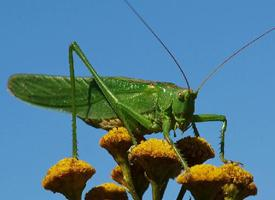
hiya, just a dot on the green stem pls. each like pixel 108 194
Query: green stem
pixel 74 135
pixel 125 167
pixel 181 193
pixel 163 188
pixel 156 191
pixel 74 196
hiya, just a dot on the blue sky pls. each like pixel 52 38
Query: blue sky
pixel 35 36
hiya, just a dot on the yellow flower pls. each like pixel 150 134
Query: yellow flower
pixel 241 183
pixel 107 191
pixel 68 177
pixel 117 176
pixel 139 180
pixel 117 142
pixel 211 182
pixel 157 158
pixel 237 174
pixel 195 150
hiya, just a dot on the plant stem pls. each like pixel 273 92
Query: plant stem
pixel 156 190
pixel 125 167
pixel 74 196
pixel 181 193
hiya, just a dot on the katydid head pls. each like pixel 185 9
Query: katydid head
pixel 183 104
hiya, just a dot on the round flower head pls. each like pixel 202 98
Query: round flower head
pixel 107 191
pixel 68 177
pixel 117 142
pixel 140 181
pixel 117 176
pixel 157 158
pixel 241 183
pixel 211 182
pixel 196 150
pixel 204 181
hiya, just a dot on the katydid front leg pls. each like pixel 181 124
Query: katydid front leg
pixel 214 118
pixel 166 127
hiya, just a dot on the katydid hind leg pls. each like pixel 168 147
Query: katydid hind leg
pixel 113 101
pixel 215 118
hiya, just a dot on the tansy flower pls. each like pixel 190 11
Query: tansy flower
pixel 159 162
pixel 204 181
pixel 117 176
pixel 211 182
pixel 68 177
pixel 157 158
pixel 107 191
pixel 195 150
pixel 241 183
pixel 140 182
pixel 117 142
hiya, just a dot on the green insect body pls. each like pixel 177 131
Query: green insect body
pixel 143 107
pixel 105 102
pixel 153 100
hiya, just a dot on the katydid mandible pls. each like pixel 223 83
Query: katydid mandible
pixel 143 107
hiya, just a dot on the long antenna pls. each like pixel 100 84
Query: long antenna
pixel 233 55
pixel 159 40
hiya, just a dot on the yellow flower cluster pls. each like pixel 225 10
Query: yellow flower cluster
pixel 236 174
pixel 140 182
pixel 107 191
pixel 200 174
pixel 154 161
pixel 195 150
pixel 208 181
pixel 117 175
pixel 153 148
pixel 157 158
pixel 116 141
pixel 68 177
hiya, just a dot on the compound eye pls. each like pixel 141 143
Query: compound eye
pixel 181 96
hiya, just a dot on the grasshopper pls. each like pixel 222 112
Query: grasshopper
pixel 143 107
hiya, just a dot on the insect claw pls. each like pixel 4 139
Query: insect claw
pixel 233 162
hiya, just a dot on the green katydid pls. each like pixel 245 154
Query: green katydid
pixel 106 102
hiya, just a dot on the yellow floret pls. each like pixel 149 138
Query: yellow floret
pixel 117 176
pixel 116 141
pixel 106 191
pixel 201 173
pixel 68 177
pixel 211 182
pixel 157 158
pixel 140 182
pixel 195 150
pixel 154 148
pixel 237 174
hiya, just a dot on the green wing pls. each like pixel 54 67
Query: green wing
pixel 55 92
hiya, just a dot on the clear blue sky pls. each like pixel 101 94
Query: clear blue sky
pixel 35 36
